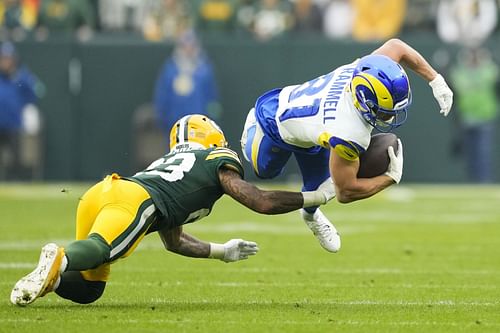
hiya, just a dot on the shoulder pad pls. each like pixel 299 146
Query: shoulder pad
pixel 223 152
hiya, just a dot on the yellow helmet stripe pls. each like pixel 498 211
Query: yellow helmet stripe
pixel 384 97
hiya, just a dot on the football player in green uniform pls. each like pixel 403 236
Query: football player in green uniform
pixel 181 187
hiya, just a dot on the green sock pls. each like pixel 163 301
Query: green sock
pixel 75 288
pixel 87 254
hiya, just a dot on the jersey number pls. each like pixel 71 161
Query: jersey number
pixel 171 168
pixel 308 89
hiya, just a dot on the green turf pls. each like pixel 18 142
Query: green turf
pixel 414 259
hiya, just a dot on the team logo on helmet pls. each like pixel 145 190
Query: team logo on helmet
pixel 197 128
pixel 381 92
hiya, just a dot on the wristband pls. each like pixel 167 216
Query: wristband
pixel 217 251
pixel 313 198
pixel 437 81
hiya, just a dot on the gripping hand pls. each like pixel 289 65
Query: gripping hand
pixel 324 193
pixel 442 93
pixel 395 169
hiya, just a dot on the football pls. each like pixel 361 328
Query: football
pixel 375 160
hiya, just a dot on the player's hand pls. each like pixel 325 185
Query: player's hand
pixel 239 249
pixel 327 190
pixel 442 93
pixel 324 193
pixel 395 169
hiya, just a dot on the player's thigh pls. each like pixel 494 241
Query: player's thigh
pixel 267 159
pixel 88 207
pixel 314 168
pixel 125 217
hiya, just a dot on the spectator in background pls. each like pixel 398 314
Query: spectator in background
pixel 475 77
pixel 215 16
pixel 17 90
pixel 307 17
pixel 378 19
pixel 466 22
pixel 186 84
pixel 273 18
pixel 66 17
pixel 166 19
pixel 18 18
pixel 245 16
pixel 122 15
pixel 338 19
pixel 420 16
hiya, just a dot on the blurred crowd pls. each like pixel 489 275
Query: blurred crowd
pixel 161 20
pixel 186 82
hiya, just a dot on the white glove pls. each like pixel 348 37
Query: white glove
pixel 395 168
pixel 324 193
pixel 442 93
pixel 233 250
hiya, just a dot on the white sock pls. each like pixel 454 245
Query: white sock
pixel 56 284
pixel 64 264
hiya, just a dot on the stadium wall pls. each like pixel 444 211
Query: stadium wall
pixel 93 90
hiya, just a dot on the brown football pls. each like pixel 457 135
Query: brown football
pixel 375 160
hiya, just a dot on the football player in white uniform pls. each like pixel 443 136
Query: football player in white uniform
pixel 327 123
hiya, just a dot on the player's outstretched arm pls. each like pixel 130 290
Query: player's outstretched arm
pixel 272 202
pixel 177 241
pixel 404 54
pixel 407 56
pixel 348 186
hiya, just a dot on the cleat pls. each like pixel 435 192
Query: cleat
pixel 324 231
pixel 40 281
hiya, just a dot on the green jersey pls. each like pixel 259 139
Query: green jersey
pixel 184 184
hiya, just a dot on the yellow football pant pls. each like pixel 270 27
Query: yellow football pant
pixel 121 212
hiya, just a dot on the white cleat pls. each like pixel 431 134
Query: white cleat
pixel 323 229
pixel 40 281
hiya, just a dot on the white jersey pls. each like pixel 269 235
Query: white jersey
pixel 321 111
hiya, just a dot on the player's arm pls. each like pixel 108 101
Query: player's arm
pixel 271 202
pixel 348 186
pixel 344 167
pixel 177 241
pixel 406 55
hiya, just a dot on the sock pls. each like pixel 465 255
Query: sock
pixel 311 210
pixel 64 264
pixel 87 254
pixel 74 287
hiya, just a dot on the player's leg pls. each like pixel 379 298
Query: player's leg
pixel 126 214
pixel 124 219
pixel 44 278
pixel 315 170
pixel 83 287
pixel 266 158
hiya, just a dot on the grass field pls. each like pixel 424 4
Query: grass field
pixel 414 259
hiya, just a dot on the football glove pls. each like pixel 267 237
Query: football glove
pixel 233 250
pixel 324 193
pixel 395 168
pixel 442 93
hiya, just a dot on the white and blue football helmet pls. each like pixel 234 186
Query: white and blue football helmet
pixel 381 92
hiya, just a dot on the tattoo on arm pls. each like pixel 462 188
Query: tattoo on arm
pixel 266 202
pixel 177 241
